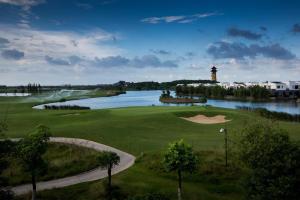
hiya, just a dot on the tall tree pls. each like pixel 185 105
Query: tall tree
pixel 273 160
pixel 180 157
pixel 107 160
pixel 6 149
pixel 30 151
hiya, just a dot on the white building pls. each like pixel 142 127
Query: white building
pixel 274 85
pixel 293 85
pixel 225 85
pixel 238 84
pixel 194 84
pixel 270 85
pixel 251 84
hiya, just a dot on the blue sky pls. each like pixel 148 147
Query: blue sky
pixel 103 41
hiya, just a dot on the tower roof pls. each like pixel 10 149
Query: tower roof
pixel 213 69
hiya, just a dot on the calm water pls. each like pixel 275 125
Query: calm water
pixel 14 94
pixel 148 98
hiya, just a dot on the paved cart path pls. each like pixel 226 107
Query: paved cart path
pixel 126 160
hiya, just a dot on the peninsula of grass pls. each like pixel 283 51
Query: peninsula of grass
pixel 146 132
pixel 63 160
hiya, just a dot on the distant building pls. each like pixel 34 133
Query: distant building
pixel 277 85
pixel 251 84
pixel 293 85
pixel 213 73
pixel 225 85
pixel 238 85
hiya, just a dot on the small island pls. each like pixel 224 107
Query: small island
pixel 166 97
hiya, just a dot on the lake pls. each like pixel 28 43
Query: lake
pixel 14 94
pixel 149 98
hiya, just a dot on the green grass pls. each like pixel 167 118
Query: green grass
pixel 144 131
pixel 63 160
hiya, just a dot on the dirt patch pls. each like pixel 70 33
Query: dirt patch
pixel 202 119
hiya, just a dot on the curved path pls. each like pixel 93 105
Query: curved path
pixel 126 160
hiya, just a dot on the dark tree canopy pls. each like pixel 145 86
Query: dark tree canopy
pixel 31 148
pixel 108 159
pixel 30 151
pixel 274 163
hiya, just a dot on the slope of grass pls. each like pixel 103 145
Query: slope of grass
pixel 63 160
pixel 144 131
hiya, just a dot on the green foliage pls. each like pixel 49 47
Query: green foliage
pixel 258 92
pixel 255 92
pixel 272 114
pixel 3 127
pixel 202 100
pixel 6 148
pixel 150 85
pixel 180 156
pixel 66 107
pixel 62 160
pixel 273 160
pixel 31 149
pixel 108 159
pixel 166 94
pixel 150 196
pixel 201 90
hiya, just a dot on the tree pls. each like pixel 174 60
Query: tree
pixel 107 160
pixel 180 157
pixel 6 149
pixel 30 151
pixel 274 163
pixel 3 127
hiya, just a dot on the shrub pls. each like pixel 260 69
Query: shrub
pixel 65 107
pixel 272 114
pixel 273 161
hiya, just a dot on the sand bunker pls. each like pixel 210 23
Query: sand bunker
pixel 202 119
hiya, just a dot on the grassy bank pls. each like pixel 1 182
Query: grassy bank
pixel 144 132
pixel 63 160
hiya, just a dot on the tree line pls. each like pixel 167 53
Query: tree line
pixel 255 92
pixel 272 114
pixel 29 88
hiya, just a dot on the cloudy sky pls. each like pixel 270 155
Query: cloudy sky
pixel 104 41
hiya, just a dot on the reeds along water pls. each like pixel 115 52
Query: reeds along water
pixel 272 114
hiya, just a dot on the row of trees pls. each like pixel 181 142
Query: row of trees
pixel 30 88
pixel 255 92
pixel 34 88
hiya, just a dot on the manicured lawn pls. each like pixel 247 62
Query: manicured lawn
pixel 63 160
pixel 145 132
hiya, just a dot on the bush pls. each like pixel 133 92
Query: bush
pixel 273 161
pixel 65 107
pixel 272 114
pixel 202 100
pixel 150 196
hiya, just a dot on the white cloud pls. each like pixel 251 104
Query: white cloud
pixel 25 4
pixel 179 18
pixel 37 44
